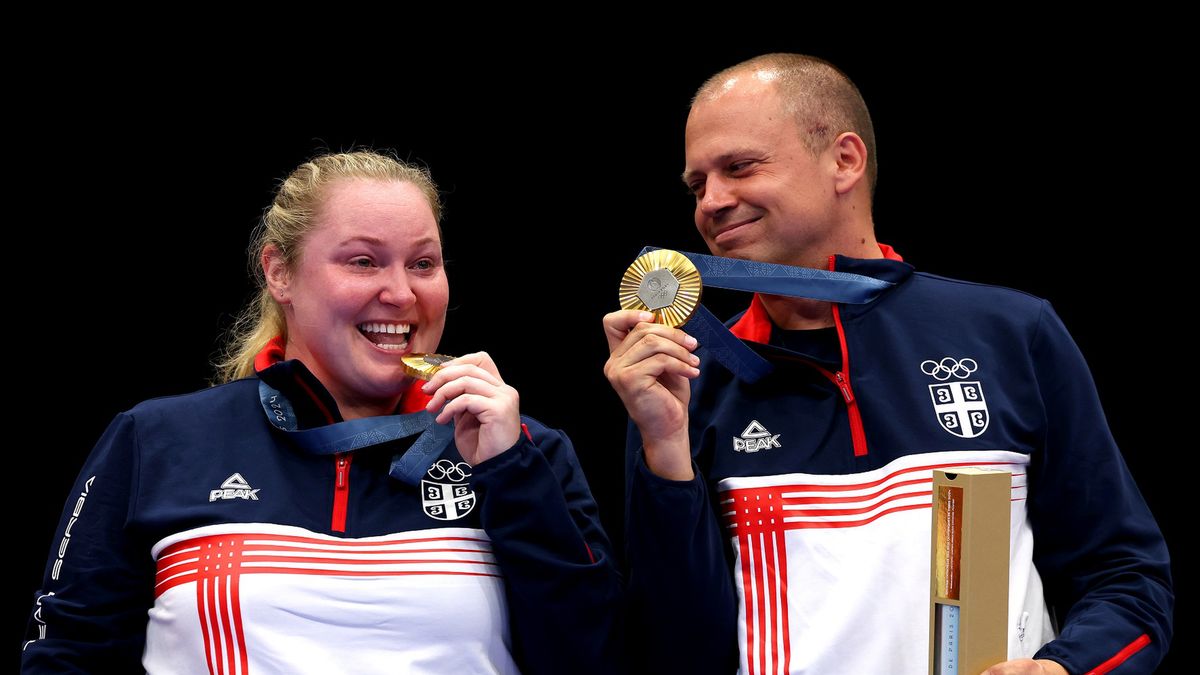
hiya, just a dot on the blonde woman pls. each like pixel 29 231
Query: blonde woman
pixel 321 510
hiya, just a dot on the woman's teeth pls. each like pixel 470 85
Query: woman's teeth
pixel 391 336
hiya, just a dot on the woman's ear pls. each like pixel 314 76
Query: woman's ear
pixel 275 271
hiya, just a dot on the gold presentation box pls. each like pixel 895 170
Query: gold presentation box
pixel 968 599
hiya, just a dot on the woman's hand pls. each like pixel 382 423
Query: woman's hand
pixel 485 410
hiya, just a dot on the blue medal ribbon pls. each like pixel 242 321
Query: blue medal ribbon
pixel 409 467
pixel 759 277
pixel 725 347
pixel 797 282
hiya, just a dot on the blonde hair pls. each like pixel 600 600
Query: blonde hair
pixel 822 99
pixel 285 225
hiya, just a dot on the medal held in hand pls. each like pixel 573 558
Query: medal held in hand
pixel 668 283
pixel 663 282
pixel 424 366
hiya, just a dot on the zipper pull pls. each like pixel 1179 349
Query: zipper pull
pixel 341 471
pixel 845 387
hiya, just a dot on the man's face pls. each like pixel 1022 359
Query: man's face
pixel 760 193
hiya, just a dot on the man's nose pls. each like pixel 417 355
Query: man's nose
pixel 718 196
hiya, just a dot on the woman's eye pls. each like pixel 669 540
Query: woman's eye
pixel 362 262
pixel 423 264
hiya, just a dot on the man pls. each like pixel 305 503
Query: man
pixel 782 525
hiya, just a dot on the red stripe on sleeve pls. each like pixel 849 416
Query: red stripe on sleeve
pixel 1121 656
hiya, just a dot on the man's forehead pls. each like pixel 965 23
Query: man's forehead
pixel 736 126
pixel 738 112
pixel 749 82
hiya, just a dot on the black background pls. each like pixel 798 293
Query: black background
pixel 1053 170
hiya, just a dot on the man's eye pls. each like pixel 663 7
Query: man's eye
pixel 738 166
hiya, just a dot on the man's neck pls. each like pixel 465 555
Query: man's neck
pixel 804 314
pixel 852 242
pixel 798 313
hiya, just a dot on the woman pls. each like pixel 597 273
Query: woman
pixel 322 511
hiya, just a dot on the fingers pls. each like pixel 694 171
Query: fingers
pixel 643 373
pixel 649 345
pixel 468 384
pixel 481 359
pixel 625 328
pixel 480 406
pixel 651 350
pixel 478 365
pixel 618 324
pixel 650 368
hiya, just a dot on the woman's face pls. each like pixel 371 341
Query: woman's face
pixel 369 287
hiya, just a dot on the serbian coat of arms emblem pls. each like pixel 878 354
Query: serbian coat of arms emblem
pixel 959 405
pixel 445 494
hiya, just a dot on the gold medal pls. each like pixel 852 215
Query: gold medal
pixel 664 282
pixel 424 366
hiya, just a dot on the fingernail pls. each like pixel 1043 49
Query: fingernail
pixel 646 316
pixel 690 341
pixel 695 360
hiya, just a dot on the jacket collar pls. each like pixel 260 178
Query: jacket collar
pixel 755 325
pixel 313 403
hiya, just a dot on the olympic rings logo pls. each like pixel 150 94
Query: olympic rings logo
pixel 942 370
pixel 444 468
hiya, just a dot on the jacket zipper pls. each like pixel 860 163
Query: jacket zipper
pixel 341 490
pixel 341 468
pixel 842 380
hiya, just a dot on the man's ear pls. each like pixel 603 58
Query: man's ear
pixel 276 272
pixel 850 153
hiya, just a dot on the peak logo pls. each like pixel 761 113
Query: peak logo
pixel 234 487
pixel 755 437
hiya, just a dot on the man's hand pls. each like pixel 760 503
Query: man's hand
pixel 485 410
pixel 1026 667
pixel 650 365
